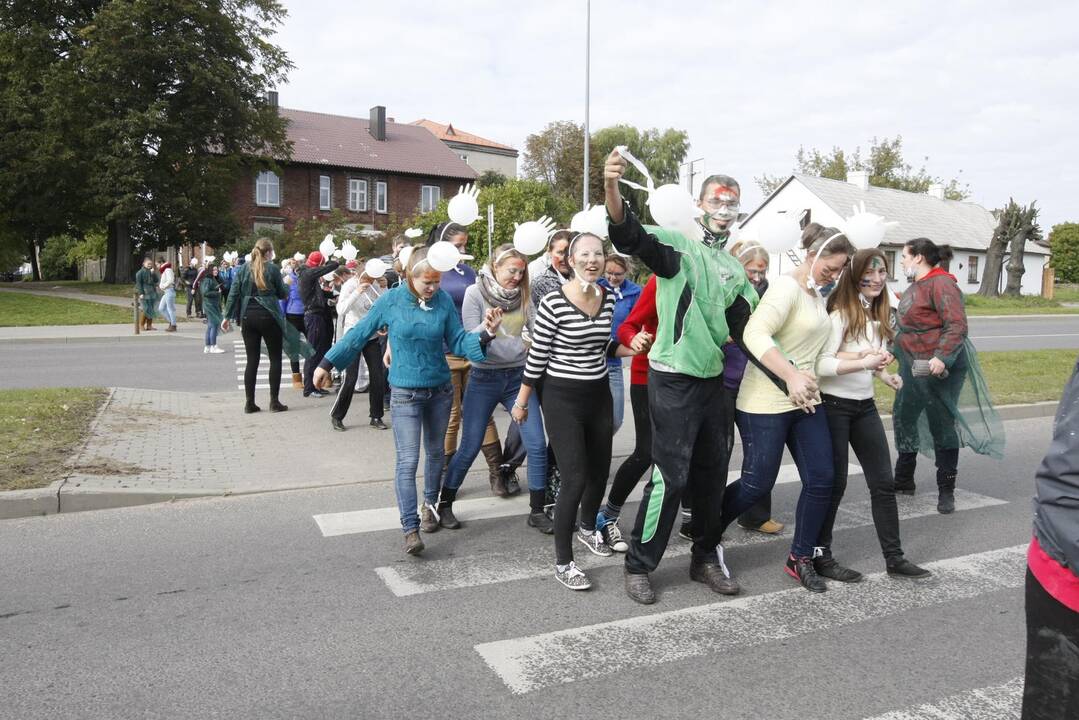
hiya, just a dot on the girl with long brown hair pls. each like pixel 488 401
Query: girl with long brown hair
pixel 855 353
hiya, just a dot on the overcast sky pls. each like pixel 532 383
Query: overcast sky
pixel 986 90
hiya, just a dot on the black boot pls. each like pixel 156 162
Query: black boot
pixel 537 518
pixel 905 465
pixel 446 518
pixel 947 471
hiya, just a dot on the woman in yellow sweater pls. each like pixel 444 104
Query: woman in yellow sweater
pixel 786 333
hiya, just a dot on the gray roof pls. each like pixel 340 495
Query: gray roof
pixel 963 225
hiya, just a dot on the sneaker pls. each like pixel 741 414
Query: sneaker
pixel 413 544
pixel 428 518
pixel 205 349
pixel 541 522
pixel 802 570
pixel 572 577
pixel 768 527
pixel 251 408
pixel 639 588
pixel 594 542
pixel 829 568
pixel 905 568
pixel 686 531
pixel 276 406
pixel 215 350
pixel 714 576
pixel 378 424
pixel 447 519
pixel 612 536
pixel 337 424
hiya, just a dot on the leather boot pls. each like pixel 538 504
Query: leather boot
pixel 297 381
pixel 905 465
pixel 947 471
pixel 492 453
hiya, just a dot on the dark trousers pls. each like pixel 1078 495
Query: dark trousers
pixel 689 449
pixel 807 437
pixel 856 424
pixel 761 511
pixel 633 467
pixel 190 298
pixel 319 332
pixel 579 416
pixel 372 355
pixel 260 327
pixel 296 321
pixel 1051 689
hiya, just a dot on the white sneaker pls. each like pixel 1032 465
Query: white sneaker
pixel 613 537
pixel 572 577
pixel 215 350
pixel 205 349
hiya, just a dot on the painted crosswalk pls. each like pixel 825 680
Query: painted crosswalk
pixel 522 563
pixel 527 664
pixel 998 702
pixel 262 379
pixel 485 508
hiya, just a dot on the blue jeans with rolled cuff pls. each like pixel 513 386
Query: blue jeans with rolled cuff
pixel 416 413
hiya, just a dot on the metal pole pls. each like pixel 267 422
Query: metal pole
pixel 587 60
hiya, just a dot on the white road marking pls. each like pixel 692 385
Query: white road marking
pixel 1017 337
pixel 530 663
pixel 389 518
pixel 455 573
pixel 999 702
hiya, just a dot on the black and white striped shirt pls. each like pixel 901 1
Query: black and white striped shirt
pixel 567 343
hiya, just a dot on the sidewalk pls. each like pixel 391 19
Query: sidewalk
pixel 190 330
pixel 72 294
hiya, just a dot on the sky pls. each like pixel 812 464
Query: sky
pixel 980 91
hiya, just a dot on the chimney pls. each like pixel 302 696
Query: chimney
pixel 859 178
pixel 271 98
pixel 936 190
pixel 377 126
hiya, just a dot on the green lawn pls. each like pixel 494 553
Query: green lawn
pixel 1025 305
pixel 23 309
pixel 125 290
pixel 39 430
pixel 1066 293
pixel 1013 376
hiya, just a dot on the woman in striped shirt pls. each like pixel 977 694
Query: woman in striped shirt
pixel 567 363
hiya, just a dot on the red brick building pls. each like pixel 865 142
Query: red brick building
pixel 367 169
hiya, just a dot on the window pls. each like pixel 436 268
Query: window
pixel 268 189
pixel 429 197
pixel 266 227
pixel 357 195
pixel 972 269
pixel 380 197
pixel 464 157
pixel 889 257
pixel 323 192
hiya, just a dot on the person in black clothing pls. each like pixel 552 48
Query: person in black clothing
pixel 188 276
pixel 317 316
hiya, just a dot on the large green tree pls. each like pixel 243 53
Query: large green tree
pixel 555 155
pixel 884 162
pixel 1016 224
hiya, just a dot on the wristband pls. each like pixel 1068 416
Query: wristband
pixel 519 406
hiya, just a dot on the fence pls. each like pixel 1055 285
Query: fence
pixel 92 270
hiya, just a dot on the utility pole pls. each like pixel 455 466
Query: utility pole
pixel 690 173
pixel 587 61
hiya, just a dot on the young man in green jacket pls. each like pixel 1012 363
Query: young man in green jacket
pixel 146 280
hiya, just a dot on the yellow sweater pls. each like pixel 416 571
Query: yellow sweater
pixel 795 322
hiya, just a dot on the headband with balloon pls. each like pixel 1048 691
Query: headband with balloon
pixel 671 205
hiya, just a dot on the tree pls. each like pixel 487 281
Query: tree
pixel 661 152
pixel 885 165
pixel 1016 224
pixel 1064 242
pixel 555 156
pixel 491 177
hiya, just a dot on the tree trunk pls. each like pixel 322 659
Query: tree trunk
pixel 35 264
pixel 994 261
pixel 118 266
pixel 1015 263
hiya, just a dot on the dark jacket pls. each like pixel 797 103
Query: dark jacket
pixel 1056 497
pixel 244 287
pixel 314 300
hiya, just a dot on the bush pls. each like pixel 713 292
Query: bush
pixel 55 261
pixel 1064 242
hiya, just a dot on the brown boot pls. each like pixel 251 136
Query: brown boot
pixel 297 381
pixel 492 453
pixel 170 328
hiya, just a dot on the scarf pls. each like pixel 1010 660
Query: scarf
pixel 495 295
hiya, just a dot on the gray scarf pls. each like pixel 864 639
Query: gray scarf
pixel 495 295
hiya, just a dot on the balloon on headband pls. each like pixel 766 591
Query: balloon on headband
pixel 413 233
pixel 444 256
pixel 298 257
pixel 464 207
pixel 247 257
pixel 864 229
pixel 327 247
pixel 531 237
pixel 348 250
pixel 592 220
pixel 404 255
pixel 778 233
pixel 210 258
pixel 375 268
pixel 672 206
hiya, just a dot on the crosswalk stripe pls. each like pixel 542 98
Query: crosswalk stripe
pixel 258 386
pixel 530 663
pixel 999 702
pixel 485 508
pixel 455 573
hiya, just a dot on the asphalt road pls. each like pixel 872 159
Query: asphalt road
pixel 243 608
pixel 178 363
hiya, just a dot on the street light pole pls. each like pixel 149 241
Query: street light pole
pixel 587 61
pixel 690 174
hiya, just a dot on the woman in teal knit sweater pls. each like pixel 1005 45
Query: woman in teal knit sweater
pixel 420 318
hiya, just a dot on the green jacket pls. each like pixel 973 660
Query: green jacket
pixel 146 282
pixel 244 287
pixel 703 296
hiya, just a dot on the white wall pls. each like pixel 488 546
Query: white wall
pixel 481 162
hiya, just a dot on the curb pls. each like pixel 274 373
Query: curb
pixel 1021 317
pixel 63 497
pixel 103 338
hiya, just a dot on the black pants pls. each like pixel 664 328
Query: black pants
pixel 761 511
pixel 295 321
pixel 689 448
pixel 260 327
pixel 372 355
pixel 856 424
pixel 319 332
pixel 190 298
pixel 579 417
pixel 1051 690
pixel 633 467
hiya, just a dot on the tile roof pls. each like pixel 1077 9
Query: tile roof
pixel 451 134
pixel 338 141
pixel 963 225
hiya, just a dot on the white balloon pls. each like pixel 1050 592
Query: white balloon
pixel 444 256
pixel 298 257
pixel 247 257
pixel 348 250
pixel 864 229
pixel 778 232
pixel 592 221
pixel 530 237
pixel 463 209
pixel 375 268
pixel 404 255
pixel 327 247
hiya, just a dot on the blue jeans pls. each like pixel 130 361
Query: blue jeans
pixel 810 444
pixel 618 393
pixel 211 333
pixel 486 390
pixel 167 305
pixel 414 410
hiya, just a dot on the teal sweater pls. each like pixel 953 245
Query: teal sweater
pixel 416 338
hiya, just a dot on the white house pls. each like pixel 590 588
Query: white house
pixel 480 153
pixel 967 227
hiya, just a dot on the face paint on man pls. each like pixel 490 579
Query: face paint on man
pixel 721 204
